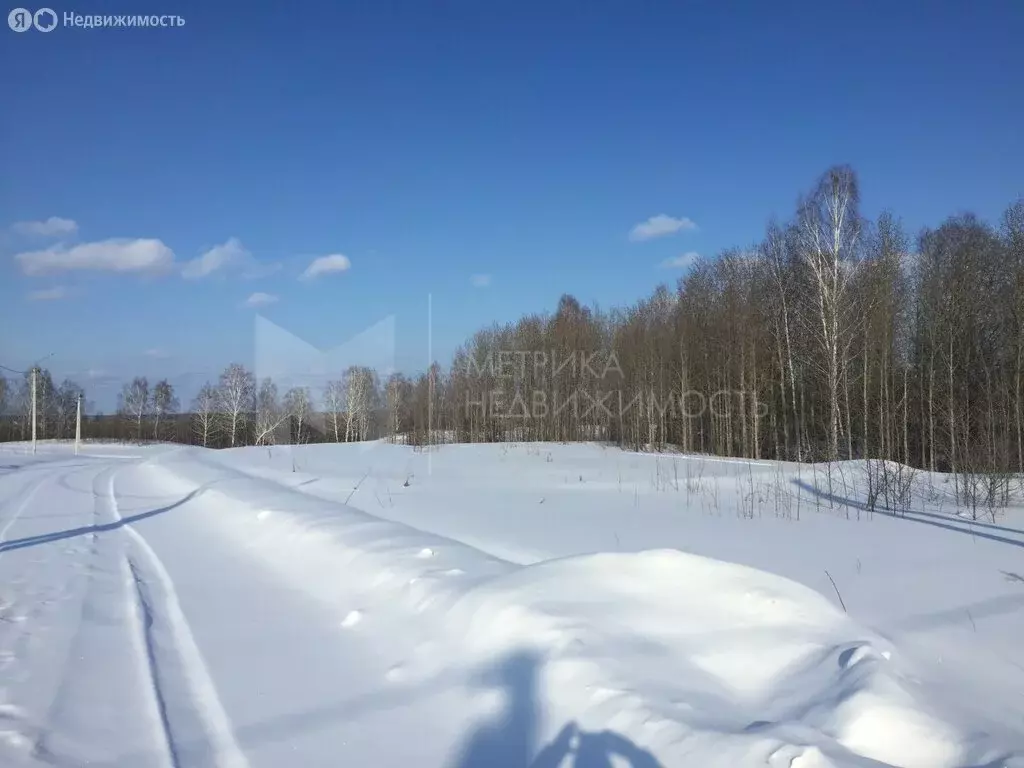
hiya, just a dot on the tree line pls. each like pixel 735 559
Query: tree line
pixel 833 337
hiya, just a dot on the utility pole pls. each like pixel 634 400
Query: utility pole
pixel 34 409
pixel 32 374
pixel 78 424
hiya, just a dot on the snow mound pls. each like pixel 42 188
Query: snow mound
pixel 702 662
pixel 706 657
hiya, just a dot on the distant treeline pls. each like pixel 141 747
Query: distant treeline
pixel 175 428
pixel 834 337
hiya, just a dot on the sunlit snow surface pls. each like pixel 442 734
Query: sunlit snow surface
pixel 496 605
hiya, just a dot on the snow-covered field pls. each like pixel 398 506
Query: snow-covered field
pixel 495 605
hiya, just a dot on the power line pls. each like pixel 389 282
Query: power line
pixel 34 365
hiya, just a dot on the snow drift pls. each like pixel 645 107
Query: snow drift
pixel 695 661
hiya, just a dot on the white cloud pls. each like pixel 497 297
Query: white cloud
pixel 683 261
pixel 115 255
pixel 157 353
pixel 659 226
pixel 229 255
pixel 480 281
pixel 220 257
pixel 49 294
pixel 52 227
pixel 326 265
pixel 260 299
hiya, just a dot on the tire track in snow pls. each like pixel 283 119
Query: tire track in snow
pixel 22 505
pixel 145 621
pixel 22 733
pixel 107 709
pixel 24 497
pixel 85 694
pixel 196 728
pixel 39 601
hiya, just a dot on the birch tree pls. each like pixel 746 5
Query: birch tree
pixel 45 392
pixel 236 393
pixel 1013 243
pixel 359 384
pixel 298 404
pixel 165 403
pixel 65 407
pixel 394 395
pixel 204 415
pixel 270 414
pixel 21 406
pixel 134 402
pixel 334 406
pixel 829 227
pixel 775 252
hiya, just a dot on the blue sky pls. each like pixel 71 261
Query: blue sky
pixel 490 154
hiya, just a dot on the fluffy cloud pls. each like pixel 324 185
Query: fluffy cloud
pixel 480 281
pixel 145 256
pixel 260 299
pixel 326 265
pixel 157 353
pixel 51 227
pixel 659 226
pixel 229 254
pixel 682 261
pixel 49 294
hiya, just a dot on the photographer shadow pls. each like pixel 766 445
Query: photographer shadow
pixel 510 739
pixel 592 750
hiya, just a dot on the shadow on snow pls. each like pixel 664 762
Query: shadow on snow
pixel 85 530
pixel 507 740
pixel 925 518
pixel 510 739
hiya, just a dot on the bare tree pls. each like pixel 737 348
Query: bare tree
pixel 334 406
pixel 298 404
pixel 236 393
pixel 359 391
pixel 65 408
pixel 5 394
pixel 270 414
pixel 134 402
pixel 165 403
pixel 394 396
pixel 204 414
pixel 21 406
pixel 829 232
pixel 776 253
pixel 45 395
pixel 1013 243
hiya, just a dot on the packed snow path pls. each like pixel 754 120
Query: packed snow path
pixel 167 607
pixel 117 652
